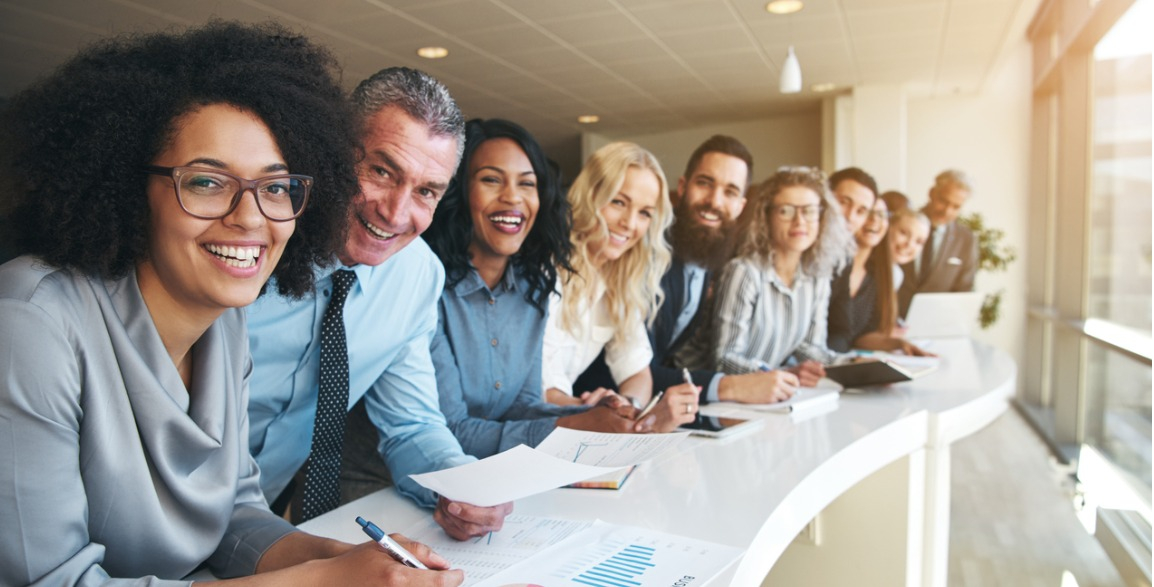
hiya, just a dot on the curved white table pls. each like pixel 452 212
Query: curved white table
pixel 869 479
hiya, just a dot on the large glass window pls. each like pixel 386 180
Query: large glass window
pixel 1087 374
pixel 1119 414
pixel 1118 388
pixel 1119 277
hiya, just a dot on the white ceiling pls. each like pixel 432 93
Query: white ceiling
pixel 641 65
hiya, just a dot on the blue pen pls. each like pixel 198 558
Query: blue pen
pixel 391 546
pixel 764 367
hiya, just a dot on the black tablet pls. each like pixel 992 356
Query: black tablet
pixel 867 373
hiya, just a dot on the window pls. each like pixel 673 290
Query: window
pixel 1088 370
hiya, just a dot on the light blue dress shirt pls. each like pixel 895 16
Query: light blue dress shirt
pixel 487 353
pixel 390 318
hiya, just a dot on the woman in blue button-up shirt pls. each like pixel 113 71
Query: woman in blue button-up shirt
pixel 502 231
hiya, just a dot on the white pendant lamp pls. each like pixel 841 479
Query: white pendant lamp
pixel 790 74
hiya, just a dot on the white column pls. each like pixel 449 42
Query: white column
pixel 879 138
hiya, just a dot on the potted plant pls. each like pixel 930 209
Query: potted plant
pixel 993 255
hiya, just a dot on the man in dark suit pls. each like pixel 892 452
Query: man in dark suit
pixel 950 257
pixel 708 199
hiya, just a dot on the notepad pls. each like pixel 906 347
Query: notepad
pixel 805 398
pixel 614 480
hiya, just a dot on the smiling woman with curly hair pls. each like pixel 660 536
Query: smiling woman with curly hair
pixel 157 182
pixel 771 300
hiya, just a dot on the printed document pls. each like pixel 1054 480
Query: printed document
pixel 565 456
pixel 609 555
pixel 520 538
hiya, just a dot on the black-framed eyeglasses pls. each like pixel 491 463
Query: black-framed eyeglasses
pixel 788 212
pixel 210 194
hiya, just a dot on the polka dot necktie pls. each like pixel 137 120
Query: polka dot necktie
pixel 322 483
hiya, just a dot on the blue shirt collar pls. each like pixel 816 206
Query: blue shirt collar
pixel 473 283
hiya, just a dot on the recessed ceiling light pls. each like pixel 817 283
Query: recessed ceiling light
pixel 826 87
pixel 784 6
pixel 432 52
pixel 588 118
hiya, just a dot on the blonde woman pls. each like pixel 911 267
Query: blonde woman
pixel 621 210
pixel 771 300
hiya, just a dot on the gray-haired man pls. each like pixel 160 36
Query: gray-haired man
pixel 388 282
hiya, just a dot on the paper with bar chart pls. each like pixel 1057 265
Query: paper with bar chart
pixel 609 555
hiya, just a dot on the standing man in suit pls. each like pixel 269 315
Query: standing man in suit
pixel 950 257
pixel 708 199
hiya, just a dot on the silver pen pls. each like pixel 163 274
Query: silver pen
pixel 391 546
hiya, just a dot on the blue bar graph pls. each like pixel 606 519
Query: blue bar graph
pixel 623 569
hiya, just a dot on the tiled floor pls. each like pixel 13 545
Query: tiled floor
pixel 1012 519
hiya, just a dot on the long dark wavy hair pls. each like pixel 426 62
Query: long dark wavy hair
pixel 545 250
pixel 72 146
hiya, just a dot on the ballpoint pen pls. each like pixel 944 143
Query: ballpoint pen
pixel 391 546
pixel 649 407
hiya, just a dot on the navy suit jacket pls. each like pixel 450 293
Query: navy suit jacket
pixel 660 339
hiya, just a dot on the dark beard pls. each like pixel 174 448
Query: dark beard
pixel 700 245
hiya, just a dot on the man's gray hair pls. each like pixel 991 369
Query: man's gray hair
pixel 952 178
pixel 416 93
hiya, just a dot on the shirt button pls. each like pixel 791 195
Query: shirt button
pixel 497 385
pixel 493 342
pixel 492 301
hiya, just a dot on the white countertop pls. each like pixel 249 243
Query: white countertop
pixel 758 490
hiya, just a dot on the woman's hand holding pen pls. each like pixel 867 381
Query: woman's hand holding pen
pixel 761 387
pixel 364 564
pixel 369 564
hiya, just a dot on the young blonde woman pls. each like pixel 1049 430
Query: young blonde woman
pixel 620 209
pixel 771 300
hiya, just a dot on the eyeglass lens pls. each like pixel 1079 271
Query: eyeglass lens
pixel 789 211
pixel 209 194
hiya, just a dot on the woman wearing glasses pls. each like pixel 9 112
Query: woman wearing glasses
pixel 770 302
pixel 158 182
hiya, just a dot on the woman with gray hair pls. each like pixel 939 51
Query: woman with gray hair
pixel 770 303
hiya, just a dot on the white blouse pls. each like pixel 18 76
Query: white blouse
pixel 567 354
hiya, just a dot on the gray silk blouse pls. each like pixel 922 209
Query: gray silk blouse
pixel 108 466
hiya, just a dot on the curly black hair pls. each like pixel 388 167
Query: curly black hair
pixel 72 146
pixel 545 249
